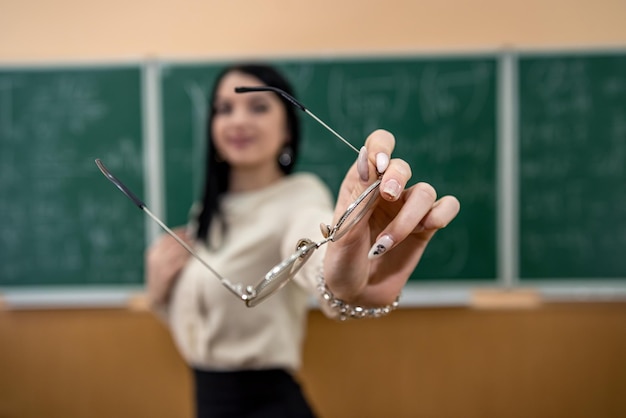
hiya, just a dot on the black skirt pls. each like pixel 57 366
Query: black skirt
pixel 249 394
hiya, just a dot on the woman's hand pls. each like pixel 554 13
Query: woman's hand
pixel 165 259
pixel 370 265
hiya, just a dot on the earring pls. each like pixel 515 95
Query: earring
pixel 286 156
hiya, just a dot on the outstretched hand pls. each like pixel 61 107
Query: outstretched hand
pixel 371 264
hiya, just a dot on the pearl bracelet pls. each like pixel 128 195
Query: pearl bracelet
pixel 347 311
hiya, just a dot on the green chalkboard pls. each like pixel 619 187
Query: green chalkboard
pixel 572 151
pixel 63 224
pixel 442 111
pixel 61 221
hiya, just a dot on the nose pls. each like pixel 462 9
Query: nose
pixel 239 115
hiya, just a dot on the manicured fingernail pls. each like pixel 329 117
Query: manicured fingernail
pixel 362 166
pixel 325 229
pixel 381 246
pixel 382 162
pixel 392 188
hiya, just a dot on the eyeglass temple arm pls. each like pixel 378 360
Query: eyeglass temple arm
pixel 120 185
pixel 141 205
pixel 298 105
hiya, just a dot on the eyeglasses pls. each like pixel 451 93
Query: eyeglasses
pixel 284 271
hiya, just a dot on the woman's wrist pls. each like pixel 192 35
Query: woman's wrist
pixel 351 311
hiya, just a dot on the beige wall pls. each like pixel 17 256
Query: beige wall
pixel 554 361
pixel 82 29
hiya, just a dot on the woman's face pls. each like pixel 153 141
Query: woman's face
pixel 250 129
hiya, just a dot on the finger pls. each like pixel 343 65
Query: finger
pixel 440 215
pixel 375 155
pixel 418 202
pixel 395 179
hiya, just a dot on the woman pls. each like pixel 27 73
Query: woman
pixel 253 213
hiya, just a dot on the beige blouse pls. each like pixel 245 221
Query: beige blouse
pixel 212 328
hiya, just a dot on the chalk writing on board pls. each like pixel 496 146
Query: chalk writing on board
pixel 451 255
pixel 368 100
pixel 572 166
pixel 53 124
pixel 66 104
pixel 612 163
pixel 438 92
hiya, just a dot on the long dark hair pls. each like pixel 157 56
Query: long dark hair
pixel 218 171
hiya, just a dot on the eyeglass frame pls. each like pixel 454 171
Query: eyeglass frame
pixel 253 295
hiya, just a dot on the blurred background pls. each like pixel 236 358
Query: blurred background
pixel 519 108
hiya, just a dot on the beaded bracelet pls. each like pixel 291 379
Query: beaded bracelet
pixel 347 311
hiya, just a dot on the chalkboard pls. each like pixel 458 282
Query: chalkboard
pixel 442 111
pixel 572 151
pixel 61 222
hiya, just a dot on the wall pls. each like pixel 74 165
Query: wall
pixel 553 361
pixel 73 29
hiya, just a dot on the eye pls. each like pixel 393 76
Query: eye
pixel 222 108
pixel 259 107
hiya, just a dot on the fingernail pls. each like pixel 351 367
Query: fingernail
pixel 381 246
pixel 392 188
pixel 362 166
pixel 325 229
pixel 382 162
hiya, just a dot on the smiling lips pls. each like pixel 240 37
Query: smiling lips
pixel 240 142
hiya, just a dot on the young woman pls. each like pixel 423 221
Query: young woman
pixel 253 213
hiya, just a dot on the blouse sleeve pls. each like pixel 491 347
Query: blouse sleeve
pixel 304 222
